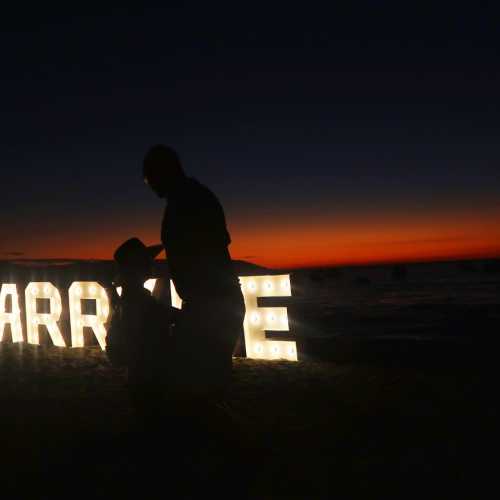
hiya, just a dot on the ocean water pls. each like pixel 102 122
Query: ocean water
pixel 454 299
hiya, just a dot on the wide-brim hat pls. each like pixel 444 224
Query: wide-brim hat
pixel 134 254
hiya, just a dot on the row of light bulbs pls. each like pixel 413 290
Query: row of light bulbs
pixel 271 318
pixel 267 286
pixel 274 349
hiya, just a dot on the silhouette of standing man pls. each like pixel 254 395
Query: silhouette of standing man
pixel 196 241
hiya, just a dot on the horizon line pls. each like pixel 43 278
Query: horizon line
pixel 436 260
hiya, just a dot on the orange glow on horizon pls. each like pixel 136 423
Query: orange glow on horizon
pixel 308 243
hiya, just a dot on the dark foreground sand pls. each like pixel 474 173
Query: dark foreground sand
pixel 323 430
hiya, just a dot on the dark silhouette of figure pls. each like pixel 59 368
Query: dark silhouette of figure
pixel 138 337
pixel 207 328
pixel 196 242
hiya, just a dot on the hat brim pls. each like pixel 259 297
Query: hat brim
pixel 154 250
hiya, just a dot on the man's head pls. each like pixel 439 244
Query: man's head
pixel 162 169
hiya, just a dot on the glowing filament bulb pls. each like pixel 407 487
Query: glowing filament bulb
pixel 252 286
pixel 92 289
pixel 258 348
pixel 255 318
pixel 268 285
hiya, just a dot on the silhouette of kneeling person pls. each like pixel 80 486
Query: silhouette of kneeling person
pixel 138 337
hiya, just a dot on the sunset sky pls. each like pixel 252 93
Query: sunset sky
pixel 331 136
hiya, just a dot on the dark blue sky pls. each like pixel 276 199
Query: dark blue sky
pixel 290 114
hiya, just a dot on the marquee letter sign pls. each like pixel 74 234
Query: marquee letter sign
pixel 34 319
pixel 14 316
pixel 95 316
pixel 88 290
pixel 258 320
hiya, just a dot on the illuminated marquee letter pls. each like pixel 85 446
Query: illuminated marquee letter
pixel 43 290
pixel 13 317
pixel 174 296
pixel 88 290
pixel 259 319
pixel 150 285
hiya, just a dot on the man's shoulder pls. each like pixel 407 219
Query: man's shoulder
pixel 197 193
pixel 195 185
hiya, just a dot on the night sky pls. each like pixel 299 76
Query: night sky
pixel 331 136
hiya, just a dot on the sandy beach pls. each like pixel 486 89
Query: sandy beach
pixel 394 393
pixel 324 429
